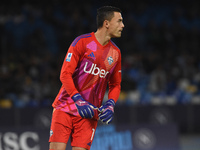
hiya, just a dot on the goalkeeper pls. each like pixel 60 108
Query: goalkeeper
pixel 92 61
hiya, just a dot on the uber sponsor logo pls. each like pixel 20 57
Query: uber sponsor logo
pixel 24 141
pixel 95 70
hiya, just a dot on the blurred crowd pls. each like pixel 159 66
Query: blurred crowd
pixel 160 50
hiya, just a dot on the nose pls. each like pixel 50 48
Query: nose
pixel 123 25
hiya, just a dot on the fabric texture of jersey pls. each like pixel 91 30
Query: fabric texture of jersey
pixel 87 68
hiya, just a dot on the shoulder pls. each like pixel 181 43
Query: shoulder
pixel 115 46
pixel 80 38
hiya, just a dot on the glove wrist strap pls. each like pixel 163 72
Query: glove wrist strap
pixel 76 97
pixel 112 102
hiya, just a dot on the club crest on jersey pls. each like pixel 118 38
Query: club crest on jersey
pixel 110 60
pixel 69 56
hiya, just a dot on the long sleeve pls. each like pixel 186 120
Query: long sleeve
pixel 115 82
pixel 69 65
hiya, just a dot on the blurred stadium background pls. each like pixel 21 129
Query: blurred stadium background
pixel 159 105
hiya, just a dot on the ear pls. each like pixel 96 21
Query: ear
pixel 106 24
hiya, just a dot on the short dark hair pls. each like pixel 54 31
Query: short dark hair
pixel 105 13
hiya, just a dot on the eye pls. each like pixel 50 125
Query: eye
pixel 120 20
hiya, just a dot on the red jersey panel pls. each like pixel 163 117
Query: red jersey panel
pixel 87 69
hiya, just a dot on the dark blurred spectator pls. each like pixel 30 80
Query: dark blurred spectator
pixel 160 49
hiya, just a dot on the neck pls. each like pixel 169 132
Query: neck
pixel 102 37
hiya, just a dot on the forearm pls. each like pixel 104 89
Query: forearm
pixel 114 91
pixel 67 81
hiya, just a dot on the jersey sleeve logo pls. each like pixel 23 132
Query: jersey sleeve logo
pixel 110 60
pixel 69 56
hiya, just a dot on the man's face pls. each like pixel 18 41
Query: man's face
pixel 116 25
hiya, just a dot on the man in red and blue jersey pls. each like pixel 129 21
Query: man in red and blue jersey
pixel 92 62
